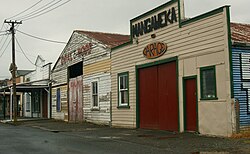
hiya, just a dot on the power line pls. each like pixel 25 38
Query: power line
pixel 5 48
pixel 2 31
pixel 48 40
pixel 26 9
pixel 2 27
pixel 46 11
pixel 4 43
pixel 2 35
pixel 37 10
pixel 24 53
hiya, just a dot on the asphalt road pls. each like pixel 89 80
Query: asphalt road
pixel 25 140
pixel 40 138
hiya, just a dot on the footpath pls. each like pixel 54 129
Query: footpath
pixel 190 142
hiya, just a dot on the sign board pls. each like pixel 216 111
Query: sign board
pixel 155 22
pixel 154 50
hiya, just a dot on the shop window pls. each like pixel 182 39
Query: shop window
pixel 123 89
pixel 58 100
pixel 208 83
pixel 28 100
pixel 36 101
pixel 95 102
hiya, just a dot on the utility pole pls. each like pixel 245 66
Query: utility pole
pixel 13 67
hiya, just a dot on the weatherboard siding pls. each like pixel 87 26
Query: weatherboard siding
pixel 241 86
pixel 100 66
pixel 197 44
pixel 63 114
pixel 100 115
pixel 97 68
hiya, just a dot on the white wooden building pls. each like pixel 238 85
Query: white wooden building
pixel 81 78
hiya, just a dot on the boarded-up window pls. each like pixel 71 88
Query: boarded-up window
pixel 58 100
pixel 95 94
pixel 123 89
pixel 208 83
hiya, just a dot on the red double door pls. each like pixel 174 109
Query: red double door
pixel 158 97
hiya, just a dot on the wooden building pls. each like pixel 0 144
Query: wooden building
pixel 81 79
pixel 36 91
pixel 175 73
pixel 241 71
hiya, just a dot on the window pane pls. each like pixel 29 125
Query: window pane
pixel 95 94
pixel 208 83
pixel 94 88
pixel 95 100
pixel 58 100
pixel 123 82
pixel 28 102
pixel 124 97
pixel 36 102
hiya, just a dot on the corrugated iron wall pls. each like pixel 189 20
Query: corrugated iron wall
pixel 241 77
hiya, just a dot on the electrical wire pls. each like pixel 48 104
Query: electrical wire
pixel 3 31
pixel 26 9
pixel 4 43
pixel 34 16
pixel 48 40
pixel 2 27
pixel 37 10
pixel 24 53
pixel 47 11
pixel 5 48
pixel 2 35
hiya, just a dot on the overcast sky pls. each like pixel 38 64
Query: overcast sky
pixel 94 15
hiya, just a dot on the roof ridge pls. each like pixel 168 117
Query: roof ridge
pixel 89 31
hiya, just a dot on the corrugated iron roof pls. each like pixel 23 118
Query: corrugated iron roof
pixel 110 39
pixel 240 32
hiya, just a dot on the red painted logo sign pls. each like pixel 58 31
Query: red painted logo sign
pixel 155 50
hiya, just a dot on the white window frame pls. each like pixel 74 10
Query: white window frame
pixel 120 104
pixel 92 95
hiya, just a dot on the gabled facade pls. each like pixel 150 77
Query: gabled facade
pixel 81 78
pixel 174 74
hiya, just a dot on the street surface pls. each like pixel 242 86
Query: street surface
pixel 52 137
